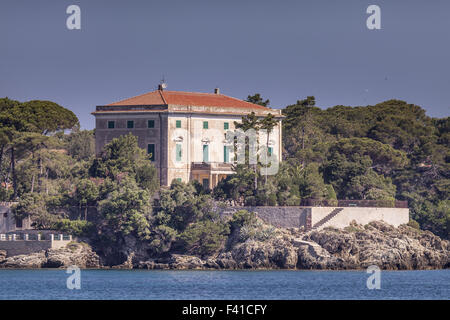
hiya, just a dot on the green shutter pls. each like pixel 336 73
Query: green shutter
pixel 111 124
pixel 205 124
pixel 151 123
pixel 151 151
pixel 130 124
pixel 205 153
pixel 226 154
pixel 270 151
pixel 178 123
pixel 226 126
pixel 178 152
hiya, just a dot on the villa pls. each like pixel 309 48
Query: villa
pixel 184 132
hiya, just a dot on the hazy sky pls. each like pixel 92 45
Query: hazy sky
pixel 284 50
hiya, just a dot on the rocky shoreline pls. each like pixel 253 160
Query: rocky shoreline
pixel 355 247
pixel 79 254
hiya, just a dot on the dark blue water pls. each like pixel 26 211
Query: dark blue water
pixel 136 284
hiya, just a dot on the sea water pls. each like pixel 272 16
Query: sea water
pixel 260 285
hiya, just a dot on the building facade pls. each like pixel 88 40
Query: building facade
pixel 184 132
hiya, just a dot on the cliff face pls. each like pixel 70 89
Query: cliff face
pixel 355 247
pixel 78 254
pixel 387 247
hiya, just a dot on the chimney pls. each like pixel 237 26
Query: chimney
pixel 162 85
pixel 217 91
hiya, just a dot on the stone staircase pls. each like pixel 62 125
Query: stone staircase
pixel 327 218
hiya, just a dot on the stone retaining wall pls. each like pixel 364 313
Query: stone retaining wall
pixel 280 217
pixel 307 217
pixel 13 245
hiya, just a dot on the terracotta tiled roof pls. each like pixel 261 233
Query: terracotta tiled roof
pixel 187 99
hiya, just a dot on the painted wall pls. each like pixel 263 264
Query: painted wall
pixel 191 136
pixel 296 217
pixel 362 215
pixel 145 135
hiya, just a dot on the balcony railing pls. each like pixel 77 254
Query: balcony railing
pixel 211 166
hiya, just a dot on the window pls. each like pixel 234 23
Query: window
pixel 130 124
pixel 18 223
pixel 205 124
pixel 205 183
pixel 179 179
pixel 111 124
pixel 178 152
pixel 151 123
pixel 226 126
pixel 205 153
pixel 151 151
pixel 226 154
pixel 270 151
pixel 178 123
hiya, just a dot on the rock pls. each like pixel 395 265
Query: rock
pixel 128 264
pixel 174 261
pixel 380 244
pixel 225 261
pixel 2 255
pixel 152 265
pixel 273 254
pixel 356 247
pixel 149 264
pixel 78 254
pixel 181 262
pixel 211 264
pixel 31 261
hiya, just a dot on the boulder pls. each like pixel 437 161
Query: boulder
pixel 78 254
pixel 379 243
pixel 30 261
pixel 225 261
pixel 272 254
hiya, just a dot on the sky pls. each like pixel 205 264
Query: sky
pixel 284 50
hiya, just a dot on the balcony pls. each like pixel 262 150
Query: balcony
pixel 212 166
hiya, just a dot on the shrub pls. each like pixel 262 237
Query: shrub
pixel 74 227
pixel 204 237
pixel 242 218
pixel 272 200
pixel 250 201
pixel 293 201
pixel 413 224
pixel 162 239
pixel 256 231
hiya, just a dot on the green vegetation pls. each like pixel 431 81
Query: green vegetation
pixel 384 152
pixel 388 151
pixel 187 221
